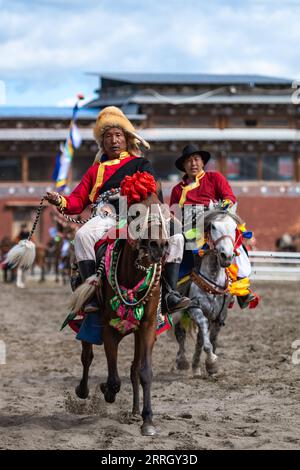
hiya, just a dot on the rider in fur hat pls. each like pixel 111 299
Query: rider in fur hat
pixel 118 156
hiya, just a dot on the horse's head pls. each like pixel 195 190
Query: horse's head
pixel 153 238
pixel 146 222
pixel 220 228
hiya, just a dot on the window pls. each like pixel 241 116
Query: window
pixel 278 168
pixel 242 167
pixel 164 165
pixel 200 121
pixel 10 169
pixel 275 121
pixel 167 121
pixel 41 168
pixel 251 122
pixel 80 165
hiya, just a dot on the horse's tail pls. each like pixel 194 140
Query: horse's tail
pixel 185 322
pixel 188 324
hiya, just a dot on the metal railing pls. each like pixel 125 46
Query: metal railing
pixel 275 266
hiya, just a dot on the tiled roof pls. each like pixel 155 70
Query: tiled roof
pixel 194 78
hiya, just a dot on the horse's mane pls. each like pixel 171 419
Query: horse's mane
pixel 213 214
pixel 151 199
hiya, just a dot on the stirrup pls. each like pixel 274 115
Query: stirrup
pixel 182 304
pixel 244 301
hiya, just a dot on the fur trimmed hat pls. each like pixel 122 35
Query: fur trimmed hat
pixel 111 116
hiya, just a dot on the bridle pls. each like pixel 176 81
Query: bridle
pixel 223 237
pixel 149 218
pixel 137 242
pixel 202 281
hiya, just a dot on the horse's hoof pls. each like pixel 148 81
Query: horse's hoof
pixel 212 368
pixel 136 413
pixel 148 430
pixel 83 394
pixel 197 373
pixel 182 364
pixel 109 396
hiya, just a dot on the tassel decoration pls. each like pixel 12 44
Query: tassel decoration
pixel 84 293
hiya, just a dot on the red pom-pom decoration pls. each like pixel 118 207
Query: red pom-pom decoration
pixel 138 187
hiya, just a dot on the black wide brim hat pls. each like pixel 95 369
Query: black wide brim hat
pixel 189 150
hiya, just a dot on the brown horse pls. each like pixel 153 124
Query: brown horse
pixel 5 245
pixel 134 259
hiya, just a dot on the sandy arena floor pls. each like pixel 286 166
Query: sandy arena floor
pixel 252 404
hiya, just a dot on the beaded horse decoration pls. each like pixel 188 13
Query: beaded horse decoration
pixel 128 303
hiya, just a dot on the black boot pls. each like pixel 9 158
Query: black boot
pixel 87 268
pixel 244 300
pixel 172 300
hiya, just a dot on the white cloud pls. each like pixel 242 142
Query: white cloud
pixel 50 44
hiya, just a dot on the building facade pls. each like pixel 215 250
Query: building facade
pixel 250 124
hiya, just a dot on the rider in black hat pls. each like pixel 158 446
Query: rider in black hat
pixel 200 187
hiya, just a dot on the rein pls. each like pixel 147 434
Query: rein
pixel 103 198
pixel 202 281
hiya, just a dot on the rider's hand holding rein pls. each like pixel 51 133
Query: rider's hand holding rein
pixel 53 197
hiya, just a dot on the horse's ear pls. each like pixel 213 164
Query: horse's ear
pixel 211 205
pixel 233 208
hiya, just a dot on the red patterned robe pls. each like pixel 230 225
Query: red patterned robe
pixel 101 177
pixel 210 186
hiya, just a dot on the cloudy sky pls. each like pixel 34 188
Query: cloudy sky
pixel 47 47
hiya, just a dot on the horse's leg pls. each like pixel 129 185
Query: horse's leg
pixel 181 360
pixel 135 375
pixel 42 266
pixel 87 356
pixel 203 324
pixel 197 353
pixel 211 362
pixel 113 384
pixel 43 273
pixel 147 340
pixel 56 272
pixel 214 332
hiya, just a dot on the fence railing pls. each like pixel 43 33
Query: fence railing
pixel 275 266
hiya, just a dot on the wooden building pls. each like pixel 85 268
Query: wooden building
pixel 250 124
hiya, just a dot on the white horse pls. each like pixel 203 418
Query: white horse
pixel 208 289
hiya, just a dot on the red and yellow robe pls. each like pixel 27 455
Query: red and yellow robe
pixel 101 177
pixel 210 186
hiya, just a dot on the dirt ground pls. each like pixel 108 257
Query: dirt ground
pixel 253 403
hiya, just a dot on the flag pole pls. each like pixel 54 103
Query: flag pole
pixel 65 157
pixel 23 254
